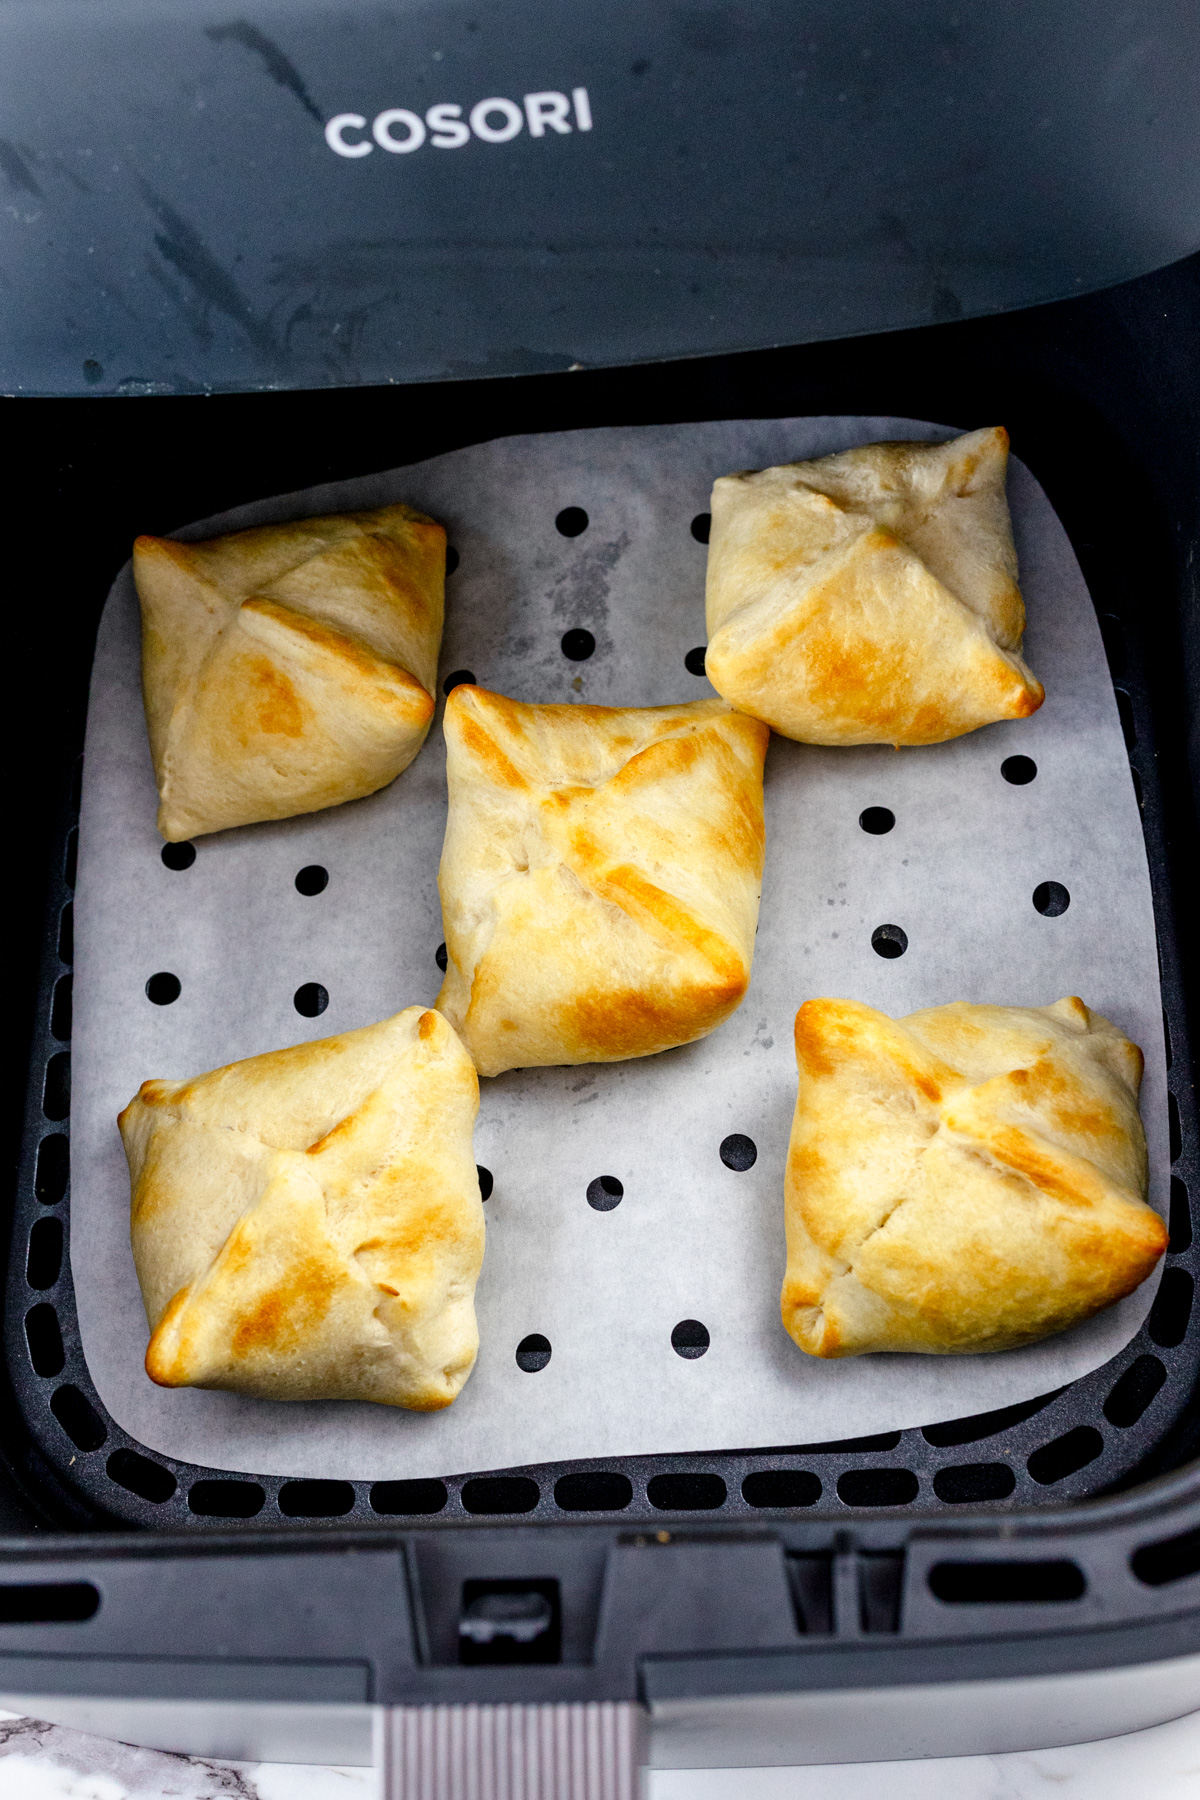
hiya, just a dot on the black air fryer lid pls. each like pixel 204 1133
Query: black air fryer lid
pixel 311 194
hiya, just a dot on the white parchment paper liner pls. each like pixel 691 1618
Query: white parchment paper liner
pixel 691 1238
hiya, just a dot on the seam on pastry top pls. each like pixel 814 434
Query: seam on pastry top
pixel 501 748
pixel 274 1165
pixel 623 890
pixel 1059 1189
pixel 767 607
pixel 323 632
pixel 895 510
pixel 621 886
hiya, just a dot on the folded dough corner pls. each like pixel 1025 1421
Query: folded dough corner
pixel 290 667
pixel 870 597
pixel 600 876
pixel 968 1178
pixel 307 1225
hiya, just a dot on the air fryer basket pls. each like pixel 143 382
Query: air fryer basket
pixel 1103 406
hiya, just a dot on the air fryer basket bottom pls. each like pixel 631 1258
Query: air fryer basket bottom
pixel 1050 377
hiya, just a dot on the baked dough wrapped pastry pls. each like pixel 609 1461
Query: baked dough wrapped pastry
pixel 968 1178
pixel 600 876
pixel 307 1225
pixel 870 597
pixel 288 668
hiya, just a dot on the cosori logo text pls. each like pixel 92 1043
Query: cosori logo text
pixel 493 121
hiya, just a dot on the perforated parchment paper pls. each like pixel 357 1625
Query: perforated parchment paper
pixel 691 1239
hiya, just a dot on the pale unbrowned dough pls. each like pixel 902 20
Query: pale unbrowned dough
pixel 290 667
pixel 307 1225
pixel 600 876
pixel 870 597
pixel 968 1178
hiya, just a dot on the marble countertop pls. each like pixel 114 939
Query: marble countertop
pixel 48 1762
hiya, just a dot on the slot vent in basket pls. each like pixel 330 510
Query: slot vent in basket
pixel 48 1603
pixel 226 1499
pixel 1009 1583
pixel 149 1480
pixel 316 1499
pixel 1157 1565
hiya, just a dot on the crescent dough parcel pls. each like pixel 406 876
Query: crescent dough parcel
pixel 870 597
pixel 307 1225
pixel 600 876
pixel 968 1178
pixel 288 668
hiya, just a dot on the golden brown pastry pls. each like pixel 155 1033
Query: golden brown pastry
pixel 870 597
pixel 968 1178
pixel 307 1225
pixel 290 667
pixel 600 876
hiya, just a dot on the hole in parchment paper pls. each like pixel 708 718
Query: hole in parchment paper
pixel 312 880
pixel 225 1499
pixel 877 820
pixel 701 527
pixel 605 1192
pixel 1051 899
pixel 164 988
pixel 578 644
pixel 452 559
pixel 140 1476
pixel 1133 1391
pixel 440 957
pixel 1065 1455
pixel 595 1490
pixel 178 856
pixel 485 1181
pixel 738 1152
pixel 690 1339
pixel 889 940
pixel 571 521
pixel 965 1483
pixel 1019 770
pixel 44 1339
pixel 53 1168
pixel 78 1417
pixel 43 1259
pixel 460 678
pixel 693 662
pixel 533 1353
pixel 311 999
pixel 415 1497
